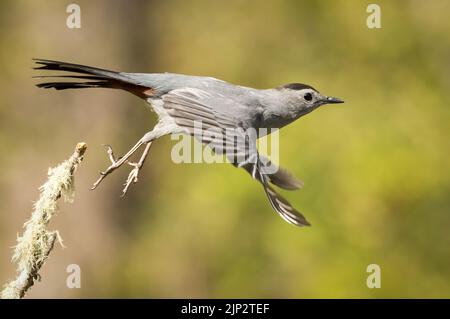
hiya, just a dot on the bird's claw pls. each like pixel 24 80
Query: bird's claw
pixel 117 162
pixel 110 153
pixel 111 167
pixel 132 177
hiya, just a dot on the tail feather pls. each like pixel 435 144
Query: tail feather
pixel 88 77
pixel 101 78
pixel 78 68
pixel 74 85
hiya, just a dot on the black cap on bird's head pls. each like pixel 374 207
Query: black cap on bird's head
pixel 297 87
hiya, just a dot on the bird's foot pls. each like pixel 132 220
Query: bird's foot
pixel 114 165
pixel 132 177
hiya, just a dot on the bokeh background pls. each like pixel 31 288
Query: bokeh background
pixel 376 169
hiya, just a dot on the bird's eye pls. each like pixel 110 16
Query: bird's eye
pixel 308 96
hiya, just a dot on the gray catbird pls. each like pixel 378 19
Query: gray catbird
pixel 181 101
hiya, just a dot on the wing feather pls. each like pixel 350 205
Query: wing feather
pixel 223 134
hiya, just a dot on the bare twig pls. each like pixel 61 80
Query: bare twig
pixel 34 246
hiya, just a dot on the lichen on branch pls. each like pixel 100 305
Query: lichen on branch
pixel 35 244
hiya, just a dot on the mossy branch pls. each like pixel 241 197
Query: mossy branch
pixel 36 243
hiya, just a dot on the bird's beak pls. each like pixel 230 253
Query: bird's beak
pixel 332 100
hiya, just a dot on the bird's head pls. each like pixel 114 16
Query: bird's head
pixel 305 98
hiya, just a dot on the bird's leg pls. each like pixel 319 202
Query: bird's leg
pixel 116 163
pixel 133 176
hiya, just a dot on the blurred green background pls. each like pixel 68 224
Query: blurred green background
pixel 376 169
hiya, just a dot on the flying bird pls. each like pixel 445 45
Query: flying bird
pixel 182 101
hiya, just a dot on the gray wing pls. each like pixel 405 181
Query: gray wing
pixel 211 118
pixel 218 118
pixel 281 177
pixel 282 206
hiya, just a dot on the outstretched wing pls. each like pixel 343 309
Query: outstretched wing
pixel 278 176
pixel 278 202
pixel 212 119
